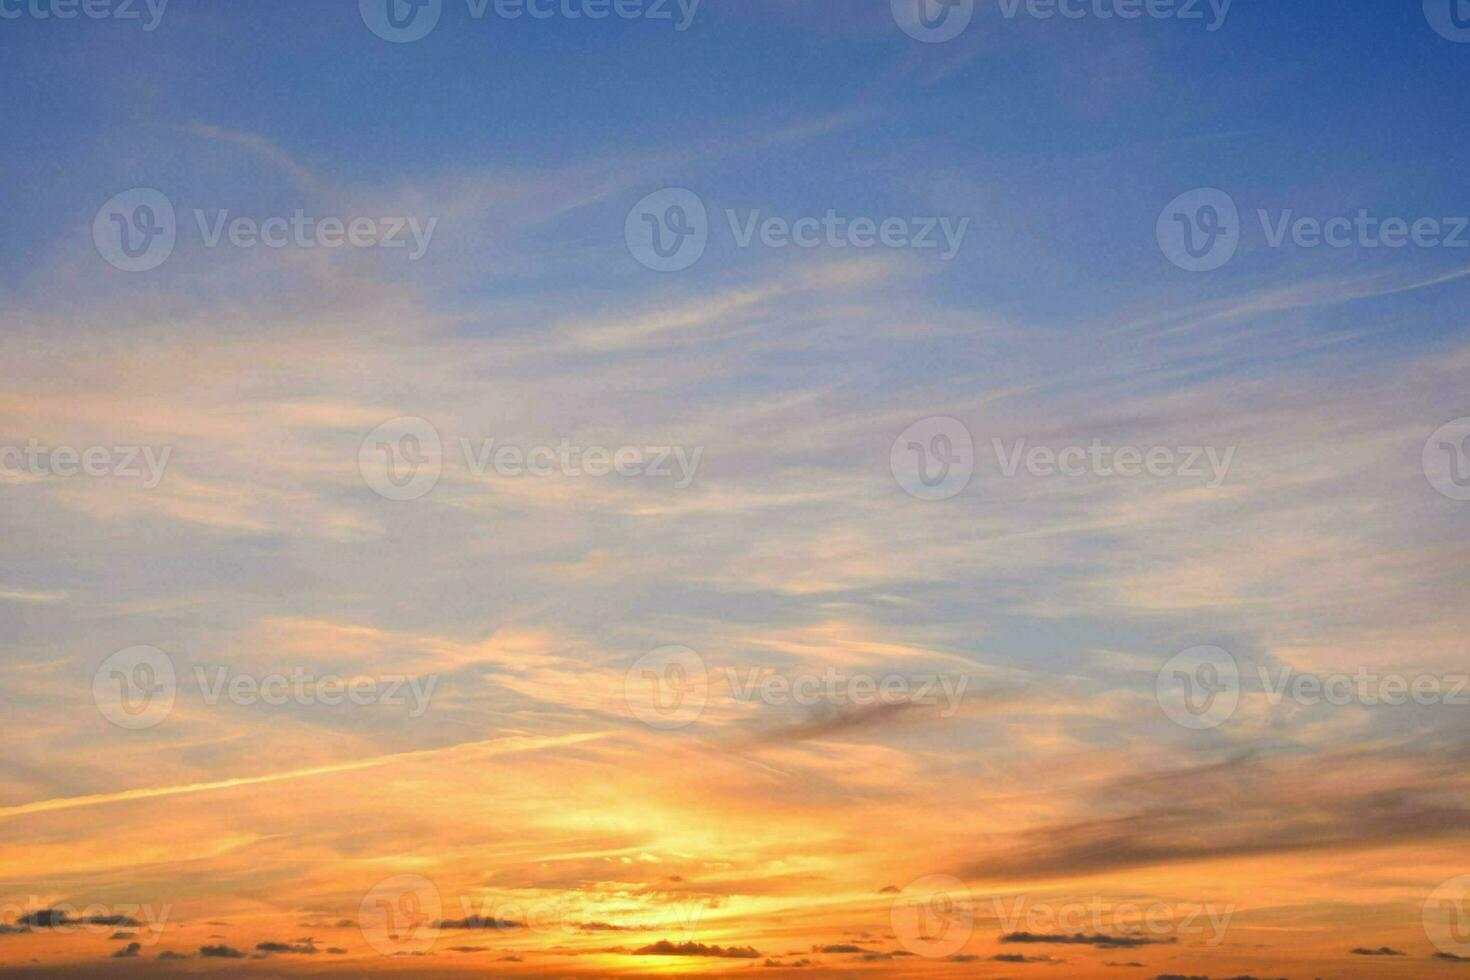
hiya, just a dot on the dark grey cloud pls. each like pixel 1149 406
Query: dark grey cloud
pixel 1244 807
pixel 221 952
pixel 1080 939
pixel 665 948
pixel 478 923
pixel 61 919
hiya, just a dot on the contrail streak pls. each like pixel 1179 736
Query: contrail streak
pixel 499 746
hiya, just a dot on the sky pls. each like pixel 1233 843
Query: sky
pixel 791 488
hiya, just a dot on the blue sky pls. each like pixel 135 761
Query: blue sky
pixel 1318 377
